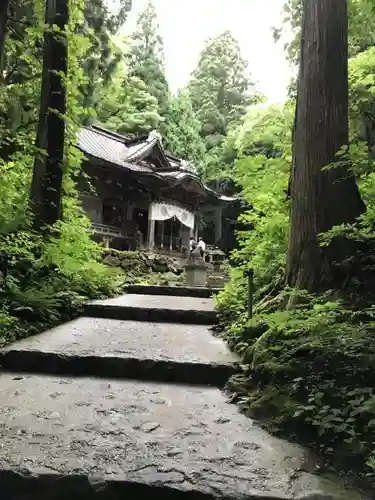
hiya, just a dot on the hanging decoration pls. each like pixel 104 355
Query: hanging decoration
pixel 164 211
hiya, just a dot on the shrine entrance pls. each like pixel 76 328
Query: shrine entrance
pixel 169 227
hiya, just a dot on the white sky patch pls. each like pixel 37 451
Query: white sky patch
pixel 186 24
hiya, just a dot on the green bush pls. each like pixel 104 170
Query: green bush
pixel 310 372
pixel 50 277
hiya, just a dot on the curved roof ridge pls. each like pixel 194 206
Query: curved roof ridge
pixel 100 144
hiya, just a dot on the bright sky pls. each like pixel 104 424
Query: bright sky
pixel 186 24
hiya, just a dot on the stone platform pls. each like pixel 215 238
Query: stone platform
pixel 176 291
pixel 111 409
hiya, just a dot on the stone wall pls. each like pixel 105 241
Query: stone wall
pixel 141 263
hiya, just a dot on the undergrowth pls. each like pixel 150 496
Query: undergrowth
pixel 309 374
pixel 44 281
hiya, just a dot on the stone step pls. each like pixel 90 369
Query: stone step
pixel 177 291
pixel 125 349
pixel 95 439
pixel 154 308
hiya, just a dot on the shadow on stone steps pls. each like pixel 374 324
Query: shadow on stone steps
pixel 50 486
pixel 110 367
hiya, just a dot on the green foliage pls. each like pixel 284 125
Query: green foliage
pixel 48 280
pixel 263 148
pixel 361 27
pixel 49 276
pixel 311 374
pixel 135 99
pixel 182 131
pixel 129 108
pixel 308 371
pixel 221 91
pixel 146 58
pixel 99 64
pixel 262 172
pixel 362 94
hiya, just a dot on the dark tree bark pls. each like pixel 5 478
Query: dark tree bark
pixel 4 4
pixel 320 199
pixel 48 169
pixel 40 161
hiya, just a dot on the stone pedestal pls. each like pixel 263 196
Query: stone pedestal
pixel 196 270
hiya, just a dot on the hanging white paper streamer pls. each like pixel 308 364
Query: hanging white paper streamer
pixel 164 211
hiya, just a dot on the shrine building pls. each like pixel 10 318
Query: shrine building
pixel 138 196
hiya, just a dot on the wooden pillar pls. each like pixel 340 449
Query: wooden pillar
pixel 150 230
pixel 129 212
pixel 185 237
pixel 171 237
pixel 162 235
pixel 218 225
pixel 125 219
pixel 195 230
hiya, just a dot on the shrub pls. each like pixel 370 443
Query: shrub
pixel 310 372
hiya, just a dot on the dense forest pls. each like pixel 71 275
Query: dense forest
pixel 305 169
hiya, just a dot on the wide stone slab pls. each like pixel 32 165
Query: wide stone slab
pixel 128 349
pixel 155 308
pixel 161 302
pixel 89 438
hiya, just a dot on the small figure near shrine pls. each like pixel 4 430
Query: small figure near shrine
pixel 202 246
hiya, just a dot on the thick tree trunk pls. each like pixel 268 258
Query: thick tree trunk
pixel 320 199
pixel 3 23
pixel 48 172
pixel 40 161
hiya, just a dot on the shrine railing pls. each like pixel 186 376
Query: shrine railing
pixel 106 230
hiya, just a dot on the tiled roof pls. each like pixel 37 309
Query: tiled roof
pixel 104 145
pixel 181 176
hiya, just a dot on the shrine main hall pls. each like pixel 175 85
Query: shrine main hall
pixel 138 196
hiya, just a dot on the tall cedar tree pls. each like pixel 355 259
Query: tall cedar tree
pixel 128 108
pixel 220 87
pixel 321 198
pixel 221 91
pixel 182 130
pixel 147 57
pixel 48 175
pixel 99 67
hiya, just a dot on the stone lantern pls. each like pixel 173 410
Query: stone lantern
pixel 196 269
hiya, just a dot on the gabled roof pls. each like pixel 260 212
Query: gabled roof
pixel 107 147
pixel 144 155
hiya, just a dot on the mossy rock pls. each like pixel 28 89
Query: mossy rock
pixel 112 261
pixel 140 262
pixel 130 265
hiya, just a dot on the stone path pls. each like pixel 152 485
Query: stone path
pixel 109 408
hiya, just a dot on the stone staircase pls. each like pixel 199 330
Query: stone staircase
pixel 125 402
